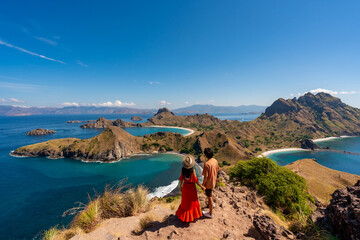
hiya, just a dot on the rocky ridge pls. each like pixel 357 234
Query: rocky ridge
pixel 239 214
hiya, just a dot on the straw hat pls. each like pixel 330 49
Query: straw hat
pixel 188 162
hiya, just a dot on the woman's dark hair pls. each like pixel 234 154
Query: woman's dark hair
pixel 208 153
pixel 187 172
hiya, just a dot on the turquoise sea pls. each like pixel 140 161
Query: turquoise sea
pixel 34 192
pixel 338 161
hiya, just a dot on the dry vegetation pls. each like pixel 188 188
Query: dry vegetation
pixel 322 181
pixel 114 202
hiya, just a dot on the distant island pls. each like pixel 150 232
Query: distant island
pixel 286 123
pixel 40 132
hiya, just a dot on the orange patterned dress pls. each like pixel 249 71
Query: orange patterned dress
pixel 189 209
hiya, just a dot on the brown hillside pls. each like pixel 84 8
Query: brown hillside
pixel 322 181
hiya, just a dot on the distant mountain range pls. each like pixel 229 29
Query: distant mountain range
pixel 221 109
pixel 24 111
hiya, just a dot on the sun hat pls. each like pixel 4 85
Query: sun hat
pixel 188 162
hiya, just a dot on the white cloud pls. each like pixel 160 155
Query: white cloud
pixel 29 52
pixel 16 100
pixel 331 92
pixel 116 103
pixel 10 100
pixel 164 103
pixel 81 63
pixel 211 101
pixel 291 94
pixel 154 83
pixel 70 104
pixel 45 40
pixel 186 102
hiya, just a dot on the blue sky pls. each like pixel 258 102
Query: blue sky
pixel 149 54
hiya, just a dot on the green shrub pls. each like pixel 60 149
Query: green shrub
pixel 282 188
pixel 226 163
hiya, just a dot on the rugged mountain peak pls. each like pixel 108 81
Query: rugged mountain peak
pixel 281 106
pixel 164 110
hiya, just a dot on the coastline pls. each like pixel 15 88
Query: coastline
pixel 330 138
pixel 267 153
pixel 188 129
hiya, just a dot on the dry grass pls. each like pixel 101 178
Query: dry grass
pixel 113 202
pixel 322 181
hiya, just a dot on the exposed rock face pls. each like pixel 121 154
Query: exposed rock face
pixel 136 118
pixel 343 212
pixel 269 229
pixel 40 132
pixel 111 145
pixel 104 123
pixel 309 144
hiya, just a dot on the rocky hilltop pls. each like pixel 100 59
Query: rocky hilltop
pixel 317 115
pixel 110 145
pixel 40 132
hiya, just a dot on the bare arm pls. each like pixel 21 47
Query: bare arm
pixel 181 185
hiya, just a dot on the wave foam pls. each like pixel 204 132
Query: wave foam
pixel 164 190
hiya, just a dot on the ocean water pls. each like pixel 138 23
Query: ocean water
pixel 34 192
pixel 338 161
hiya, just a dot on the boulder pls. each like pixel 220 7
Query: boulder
pixel 308 144
pixel 269 230
pixel 343 212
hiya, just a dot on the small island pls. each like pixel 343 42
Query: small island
pixel 136 118
pixel 40 132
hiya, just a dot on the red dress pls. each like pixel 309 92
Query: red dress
pixel 189 209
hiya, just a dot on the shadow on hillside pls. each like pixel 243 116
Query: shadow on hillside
pixel 171 220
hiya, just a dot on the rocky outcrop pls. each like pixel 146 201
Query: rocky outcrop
pixel 269 230
pixel 40 132
pixel 136 118
pixel 343 212
pixel 104 123
pixel 308 144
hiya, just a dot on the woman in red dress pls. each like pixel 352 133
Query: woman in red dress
pixel 189 209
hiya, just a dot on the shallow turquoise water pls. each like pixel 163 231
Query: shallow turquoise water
pixel 338 161
pixel 34 192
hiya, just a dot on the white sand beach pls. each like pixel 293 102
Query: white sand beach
pixel 329 138
pixel 267 153
pixel 188 129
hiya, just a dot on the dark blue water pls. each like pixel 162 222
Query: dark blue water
pixel 34 192
pixel 338 161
